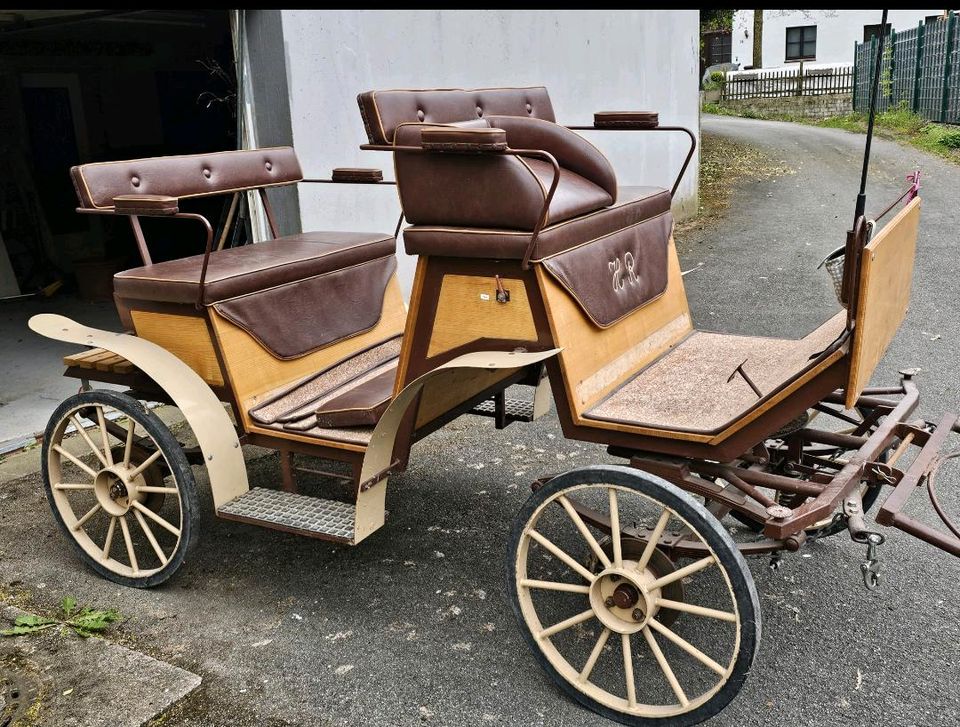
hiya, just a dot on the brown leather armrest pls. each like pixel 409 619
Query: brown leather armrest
pixel 145 204
pixel 626 120
pixel 444 138
pixel 356 175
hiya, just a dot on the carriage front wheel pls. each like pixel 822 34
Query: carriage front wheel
pixel 625 630
pixel 121 489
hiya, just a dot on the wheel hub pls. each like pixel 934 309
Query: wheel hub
pixel 115 490
pixel 622 598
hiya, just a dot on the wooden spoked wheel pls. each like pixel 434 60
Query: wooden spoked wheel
pixel 602 633
pixel 127 498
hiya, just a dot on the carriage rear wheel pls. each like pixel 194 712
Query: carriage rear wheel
pixel 601 633
pixel 127 498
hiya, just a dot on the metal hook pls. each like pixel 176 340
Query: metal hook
pixel 870 568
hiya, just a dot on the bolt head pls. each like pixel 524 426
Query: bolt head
pixel 638 614
pixel 609 603
pixel 614 578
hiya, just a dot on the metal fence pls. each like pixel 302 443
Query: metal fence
pixel 798 81
pixel 920 71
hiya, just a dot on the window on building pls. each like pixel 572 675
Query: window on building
pixel 873 31
pixel 802 43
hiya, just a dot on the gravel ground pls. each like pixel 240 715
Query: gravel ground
pixel 413 626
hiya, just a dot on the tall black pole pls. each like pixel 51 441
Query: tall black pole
pixel 862 197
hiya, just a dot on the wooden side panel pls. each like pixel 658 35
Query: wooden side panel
pixel 253 371
pixel 885 281
pixel 186 337
pixel 467 310
pixel 594 360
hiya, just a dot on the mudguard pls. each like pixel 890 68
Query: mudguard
pixel 200 407
pixel 371 495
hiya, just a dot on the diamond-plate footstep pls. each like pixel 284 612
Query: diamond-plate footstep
pixel 515 408
pixel 311 515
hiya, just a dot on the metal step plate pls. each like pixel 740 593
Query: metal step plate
pixel 315 517
pixel 516 409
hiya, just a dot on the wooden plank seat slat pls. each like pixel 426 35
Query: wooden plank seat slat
pixel 100 360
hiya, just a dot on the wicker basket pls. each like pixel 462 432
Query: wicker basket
pixel 833 264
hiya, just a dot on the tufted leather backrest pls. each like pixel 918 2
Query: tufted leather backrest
pixel 384 111
pixel 194 175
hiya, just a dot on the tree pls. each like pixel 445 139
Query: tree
pixel 758 39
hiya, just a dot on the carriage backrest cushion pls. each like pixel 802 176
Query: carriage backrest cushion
pixel 384 111
pixel 193 175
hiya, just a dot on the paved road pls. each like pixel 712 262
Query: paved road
pixel 413 627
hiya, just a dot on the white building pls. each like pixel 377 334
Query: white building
pixel 823 37
pixel 307 67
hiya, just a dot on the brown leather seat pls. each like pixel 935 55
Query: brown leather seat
pixel 242 270
pixel 634 205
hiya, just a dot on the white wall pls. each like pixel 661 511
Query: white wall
pixel 837 30
pixel 589 60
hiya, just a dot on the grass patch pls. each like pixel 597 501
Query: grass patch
pixel 898 124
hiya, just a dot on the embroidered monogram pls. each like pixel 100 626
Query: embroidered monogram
pixel 619 270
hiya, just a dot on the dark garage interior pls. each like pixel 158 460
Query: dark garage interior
pixel 100 85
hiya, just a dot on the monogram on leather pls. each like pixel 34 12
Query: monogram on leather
pixel 614 275
pixel 294 319
pixel 384 111
pixel 193 175
pixel 241 270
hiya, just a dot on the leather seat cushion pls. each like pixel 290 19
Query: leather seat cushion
pixel 242 270
pixel 634 205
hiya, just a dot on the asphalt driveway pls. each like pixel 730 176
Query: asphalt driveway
pixel 413 626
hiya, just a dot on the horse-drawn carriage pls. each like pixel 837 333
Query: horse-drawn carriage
pixel 536 274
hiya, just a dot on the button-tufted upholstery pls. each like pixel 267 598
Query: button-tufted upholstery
pixel 193 175
pixel 384 111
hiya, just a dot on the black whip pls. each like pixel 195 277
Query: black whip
pixel 862 197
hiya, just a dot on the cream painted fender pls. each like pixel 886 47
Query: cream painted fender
pixel 201 408
pixel 372 500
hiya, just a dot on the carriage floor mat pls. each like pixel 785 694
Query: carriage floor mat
pixel 312 516
pixel 302 398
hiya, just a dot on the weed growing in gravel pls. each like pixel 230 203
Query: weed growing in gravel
pixel 82 621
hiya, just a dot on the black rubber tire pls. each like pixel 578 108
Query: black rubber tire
pixel 179 468
pixel 745 592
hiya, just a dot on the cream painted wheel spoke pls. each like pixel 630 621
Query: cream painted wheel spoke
pixel 571 563
pixel 128 445
pixel 149 533
pixel 64 453
pixel 687 647
pixel 594 655
pixel 697 610
pixel 109 541
pixel 565 624
pixel 90 513
pixel 71 486
pixel 628 670
pixel 654 539
pixel 587 535
pixel 104 436
pixel 687 570
pixel 156 518
pixel 86 438
pixel 665 666
pixel 143 465
pixel 615 529
pixel 549 585
pixel 162 490
pixel 126 539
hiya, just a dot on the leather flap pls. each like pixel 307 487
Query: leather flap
pixel 297 318
pixel 612 276
pixel 626 120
